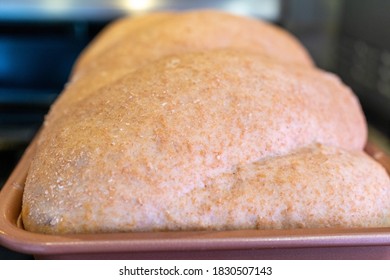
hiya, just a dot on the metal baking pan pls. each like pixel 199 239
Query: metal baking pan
pixel 329 243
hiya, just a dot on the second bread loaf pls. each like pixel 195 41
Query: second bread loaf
pixel 131 43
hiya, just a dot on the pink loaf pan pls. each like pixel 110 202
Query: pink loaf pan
pixel 327 243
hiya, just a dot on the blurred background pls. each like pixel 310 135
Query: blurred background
pixel 39 41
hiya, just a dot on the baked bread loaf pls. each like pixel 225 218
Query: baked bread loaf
pixel 218 139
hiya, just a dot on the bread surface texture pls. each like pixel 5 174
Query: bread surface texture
pixel 312 187
pixel 156 34
pixel 202 135
pixel 131 43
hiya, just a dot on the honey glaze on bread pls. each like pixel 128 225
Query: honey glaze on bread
pixel 210 140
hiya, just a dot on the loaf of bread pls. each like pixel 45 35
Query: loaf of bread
pixel 213 137
pixel 131 43
pixel 134 41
